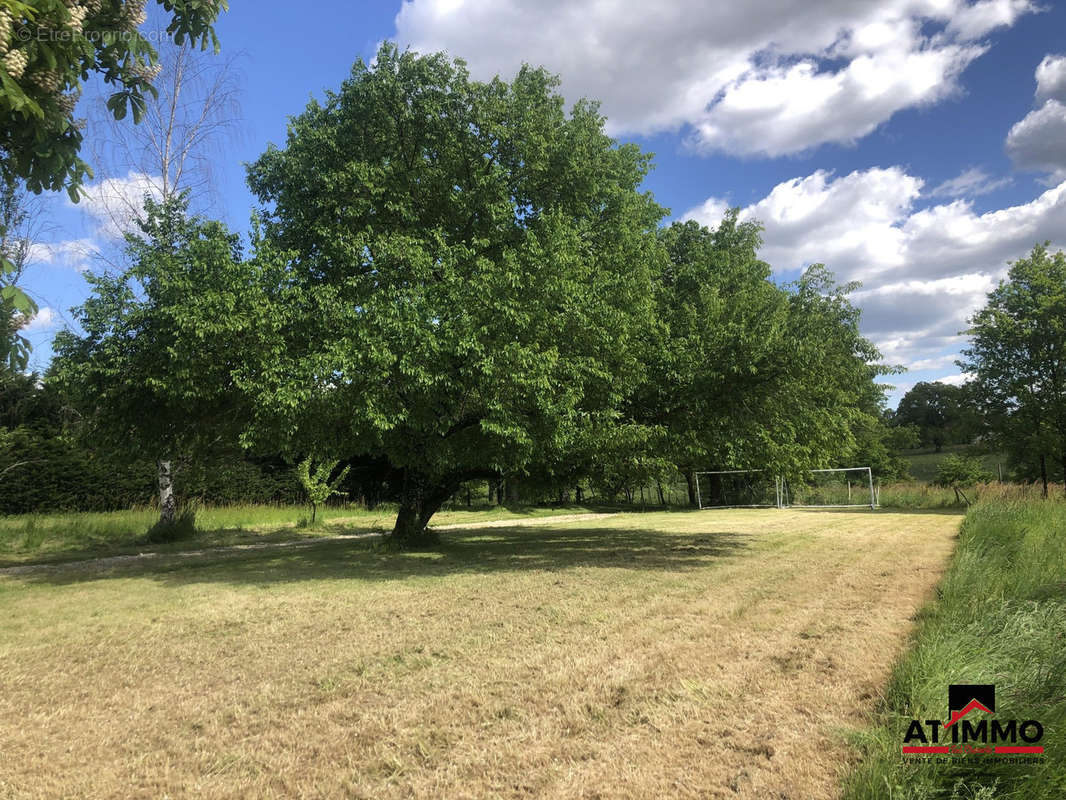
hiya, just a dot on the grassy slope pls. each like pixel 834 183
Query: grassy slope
pixel 923 464
pixel 659 655
pixel 1001 618
pixel 27 538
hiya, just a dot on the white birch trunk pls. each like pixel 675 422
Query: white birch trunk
pixel 167 506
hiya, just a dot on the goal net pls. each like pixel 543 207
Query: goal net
pixel 851 487
pixel 742 488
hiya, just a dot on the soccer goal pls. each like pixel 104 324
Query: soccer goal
pixel 738 488
pixel 850 487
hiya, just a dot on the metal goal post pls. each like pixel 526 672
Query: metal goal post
pixel 738 488
pixel 844 487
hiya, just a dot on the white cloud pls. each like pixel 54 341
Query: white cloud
pixel 766 77
pixel 1038 142
pixel 111 208
pixel 73 253
pixel 1051 78
pixel 45 319
pixel 924 270
pixel 938 362
pixel 115 204
pixel 851 223
pixel 976 20
pixel 956 379
pixel 787 110
pixel 972 182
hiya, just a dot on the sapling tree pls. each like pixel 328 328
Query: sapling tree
pixel 959 473
pixel 318 484
pixel 468 271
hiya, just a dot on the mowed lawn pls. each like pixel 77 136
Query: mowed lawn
pixel 698 654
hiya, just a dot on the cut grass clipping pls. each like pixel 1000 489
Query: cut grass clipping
pixel 674 655
pixel 1000 619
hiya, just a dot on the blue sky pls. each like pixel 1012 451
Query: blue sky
pixel 914 145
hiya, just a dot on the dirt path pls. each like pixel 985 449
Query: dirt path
pixel 718 655
pixel 170 556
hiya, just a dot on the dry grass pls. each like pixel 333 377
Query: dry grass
pixel 708 654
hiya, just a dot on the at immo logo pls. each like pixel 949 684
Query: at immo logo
pixel 972 727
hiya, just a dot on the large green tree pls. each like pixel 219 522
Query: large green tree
pixel 1017 356
pixel 469 268
pixel 746 374
pixel 944 414
pixel 153 372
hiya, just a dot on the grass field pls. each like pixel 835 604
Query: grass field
pixel 1000 619
pixel 35 538
pixel 923 464
pixel 707 654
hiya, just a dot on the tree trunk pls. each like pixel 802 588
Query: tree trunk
pixel 716 490
pixel 579 495
pixel 1064 473
pixel 418 503
pixel 691 481
pixel 1043 473
pixel 659 488
pixel 168 509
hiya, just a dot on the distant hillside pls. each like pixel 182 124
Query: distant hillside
pixel 923 463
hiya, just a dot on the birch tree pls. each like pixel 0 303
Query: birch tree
pixel 184 125
pixel 152 370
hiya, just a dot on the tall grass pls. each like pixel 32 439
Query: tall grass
pixel 915 494
pixel 42 536
pixel 1001 619
pixel 45 537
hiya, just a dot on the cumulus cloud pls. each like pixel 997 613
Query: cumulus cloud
pixel 766 77
pixel 73 253
pixel 46 319
pixel 115 204
pixel 972 182
pixel 975 20
pixel 938 363
pixel 1038 142
pixel 956 379
pixel 1051 78
pixel 924 270
pixel 112 208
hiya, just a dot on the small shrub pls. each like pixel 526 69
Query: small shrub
pixel 959 473
pixel 317 483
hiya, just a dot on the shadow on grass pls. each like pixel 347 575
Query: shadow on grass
pixel 461 551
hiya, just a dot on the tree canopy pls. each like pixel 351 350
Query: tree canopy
pixel 154 371
pixel 747 374
pixel 469 265
pixel 943 414
pixel 1017 356
pixel 455 280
